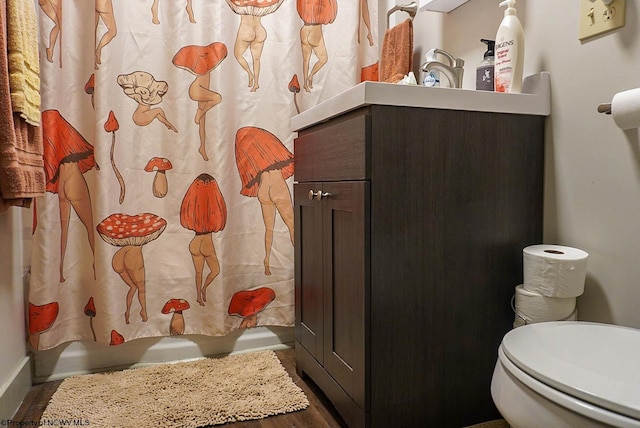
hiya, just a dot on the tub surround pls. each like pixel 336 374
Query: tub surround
pixel 15 367
pixel 83 357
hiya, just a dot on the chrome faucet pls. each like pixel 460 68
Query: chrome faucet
pixel 454 70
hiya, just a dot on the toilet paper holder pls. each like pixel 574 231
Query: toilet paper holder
pixel 513 308
pixel 604 108
pixel 624 108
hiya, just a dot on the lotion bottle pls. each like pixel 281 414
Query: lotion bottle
pixel 509 51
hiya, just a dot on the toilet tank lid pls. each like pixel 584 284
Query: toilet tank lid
pixel 597 363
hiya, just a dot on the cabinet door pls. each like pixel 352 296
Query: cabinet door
pixel 346 265
pixel 308 269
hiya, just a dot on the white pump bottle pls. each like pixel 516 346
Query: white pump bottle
pixel 509 51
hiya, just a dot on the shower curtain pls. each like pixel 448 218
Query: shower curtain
pixel 168 159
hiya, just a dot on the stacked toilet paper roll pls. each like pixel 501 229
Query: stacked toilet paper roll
pixel 553 276
pixel 532 307
pixel 519 321
pixel 554 270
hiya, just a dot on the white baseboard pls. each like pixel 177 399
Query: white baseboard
pixel 88 357
pixel 13 391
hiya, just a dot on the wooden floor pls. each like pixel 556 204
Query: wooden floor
pixel 320 412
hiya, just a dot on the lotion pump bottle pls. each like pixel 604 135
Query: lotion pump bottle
pixel 509 51
pixel 484 71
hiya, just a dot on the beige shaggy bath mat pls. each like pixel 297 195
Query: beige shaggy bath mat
pixel 193 394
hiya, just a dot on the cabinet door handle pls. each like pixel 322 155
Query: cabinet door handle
pixel 323 195
pixel 318 195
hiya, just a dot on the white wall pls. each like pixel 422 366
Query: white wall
pixel 592 168
pixel 592 178
pixel 15 376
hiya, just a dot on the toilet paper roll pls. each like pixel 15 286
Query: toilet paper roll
pixel 625 109
pixel 534 307
pixel 554 270
pixel 520 321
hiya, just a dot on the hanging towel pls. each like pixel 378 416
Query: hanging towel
pixel 24 71
pixel 21 165
pixel 396 59
pixel 21 150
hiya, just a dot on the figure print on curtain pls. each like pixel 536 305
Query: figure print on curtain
pixel 294 86
pixel 53 9
pixel 176 307
pixel 104 12
pixel 130 233
pixel 154 12
pixel 231 236
pixel 112 125
pixel 41 319
pixel 364 12
pixel 89 87
pixel 200 61
pixel 315 14
pixel 67 156
pixel 116 338
pixel 264 163
pixel 251 34
pixel 146 91
pixel 159 166
pixel 204 211
pixel 90 311
pixel 247 304
pixel 368 72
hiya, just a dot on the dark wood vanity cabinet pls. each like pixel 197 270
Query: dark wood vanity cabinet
pixel 409 230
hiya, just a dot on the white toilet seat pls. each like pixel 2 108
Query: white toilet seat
pixel 587 368
pixel 573 404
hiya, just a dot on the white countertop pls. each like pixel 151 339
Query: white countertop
pixel 535 99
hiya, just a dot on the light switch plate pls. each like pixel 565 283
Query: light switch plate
pixel 597 18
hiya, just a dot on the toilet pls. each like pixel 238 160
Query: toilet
pixel 570 374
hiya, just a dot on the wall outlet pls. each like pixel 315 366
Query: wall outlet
pixel 596 17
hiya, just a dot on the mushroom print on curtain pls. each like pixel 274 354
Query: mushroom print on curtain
pixel 169 160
